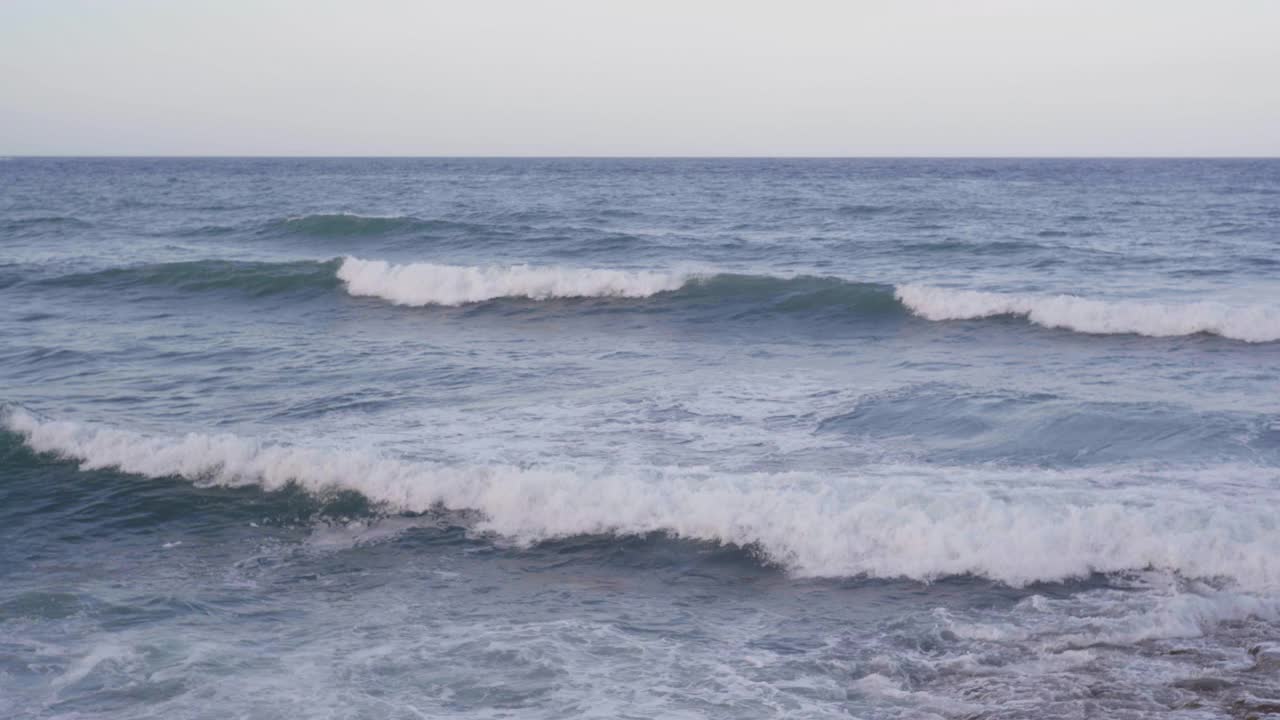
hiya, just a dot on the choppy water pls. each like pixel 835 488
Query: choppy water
pixel 650 438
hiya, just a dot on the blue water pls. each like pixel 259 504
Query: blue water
pixel 401 438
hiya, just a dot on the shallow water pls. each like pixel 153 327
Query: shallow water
pixel 638 438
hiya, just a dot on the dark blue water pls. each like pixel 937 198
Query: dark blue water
pixel 639 438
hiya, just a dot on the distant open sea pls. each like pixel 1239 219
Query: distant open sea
pixel 521 438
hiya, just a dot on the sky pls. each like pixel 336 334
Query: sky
pixel 642 78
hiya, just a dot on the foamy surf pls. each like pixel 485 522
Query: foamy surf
pixel 1250 323
pixel 419 284
pixel 1016 526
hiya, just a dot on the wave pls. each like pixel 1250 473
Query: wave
pixel 1252 323
pixel 200 231
pixel 346 225
pixel 424 284
pixel 970 248
pixel 46 223
pixel 419 284
pixel 1016 526
pixel 254 278
pixel 865 210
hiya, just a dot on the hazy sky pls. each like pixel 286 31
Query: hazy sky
pixel 652 77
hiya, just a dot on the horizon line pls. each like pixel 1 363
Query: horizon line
pixel 124 156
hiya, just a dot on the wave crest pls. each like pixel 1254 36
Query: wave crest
pixel 736 295
pixel 348 225
pixel 1017 526
pixel 1253 323
pixel 418 284
pixel 254 278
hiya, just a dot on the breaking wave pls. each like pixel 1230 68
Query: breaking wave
pixel 425 284
pixel 1013 525
pixel 419 284
pixel 1253 323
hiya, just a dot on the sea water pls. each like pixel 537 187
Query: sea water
pixel 403 438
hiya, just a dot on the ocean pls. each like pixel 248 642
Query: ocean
pixel 665 438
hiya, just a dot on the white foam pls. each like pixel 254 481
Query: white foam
pixel 1166 610
pixel 419 284
pixel 1013 525
pixel 1251 323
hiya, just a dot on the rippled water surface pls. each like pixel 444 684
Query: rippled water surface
pixel 639 438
